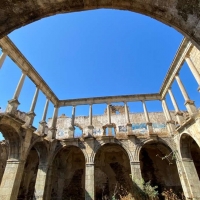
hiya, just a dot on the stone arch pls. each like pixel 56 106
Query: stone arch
pixel 190 151
pixel 180 14
pixel 68 174
pixel 112 172
pixel 13 139
pixel 149 140
pixel 158 163
pixel 102 143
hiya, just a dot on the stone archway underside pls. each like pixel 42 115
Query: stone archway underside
pixel 68 177
pixel 183 15
pixel 112 172
pixel 161 172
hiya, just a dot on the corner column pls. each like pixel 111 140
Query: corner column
pixel 178 113
pixel 2 59
pixel 148 123
pixel 169 122
pixel 188 103
pixel 11 179
pixel 193 70
pixel 13 103
pixel 136 173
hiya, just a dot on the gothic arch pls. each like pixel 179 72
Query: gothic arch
pixel 182 15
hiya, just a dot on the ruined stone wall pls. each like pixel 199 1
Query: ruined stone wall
pixel 3 157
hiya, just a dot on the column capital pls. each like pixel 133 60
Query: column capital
pixel 135 162
pixel 89 164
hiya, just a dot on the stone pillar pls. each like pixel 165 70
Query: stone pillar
pixel 71 128
pixel 193 70
pixel 52 129
pixel 2 59
pixel 13 103
pixel 170 122
pixel 90 126
pixel 128 125
pixel 149 124
pixel 178 113
pixel 41 181
pixel 109 127
pixel 188 103
pixel 136 173
pixel 30 115
pixel 192 178
pixel 42 123
pixel 48 186
pixel 11 180
pixel 89 182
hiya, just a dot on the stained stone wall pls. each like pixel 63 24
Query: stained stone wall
pixel 3 157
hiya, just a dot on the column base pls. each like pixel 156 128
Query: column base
pixel 12 106
pixel 51 133
pixel 110 126
pixel 41 128
pixel 171 126
pixel 179 117
pixel 149 128
pixel 191 108
pixel 129 128
pixel 89 131
pixel 29 120
pixel 71 132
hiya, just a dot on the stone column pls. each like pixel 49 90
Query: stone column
pixel 71 128
pixel 136 173
pixel 30 115
pixel 52 129
pixel 2 59
pixel 89 181
pixel 48 187
pixel 41 181
pixel 90 126
pixel 11 180
pixel 178 113
pixel 13 103
pixel 149 124
pixel 192 178
pixel 193 70
pixel 128 125
pixel 42 123
pixel 109 127
pixel 169 122
pixel 188 103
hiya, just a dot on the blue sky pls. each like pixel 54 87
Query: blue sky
pixel 95 53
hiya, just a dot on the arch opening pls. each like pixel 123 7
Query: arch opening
pixel 190 151
pixel 68 176
pixel 27 187
pixel 112 172
pixel 161 171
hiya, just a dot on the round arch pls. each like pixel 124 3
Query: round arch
pixel 180 14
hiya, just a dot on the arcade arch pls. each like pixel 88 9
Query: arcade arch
pixel 68 174
pixel 160 170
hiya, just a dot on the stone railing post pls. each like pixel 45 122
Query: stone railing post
pixel 109 127
pixel 188 103
pixel 11 179
pixel 52 129
pixel 72 128
pixel 90 126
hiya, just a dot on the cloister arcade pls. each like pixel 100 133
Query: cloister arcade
pixel 108 158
